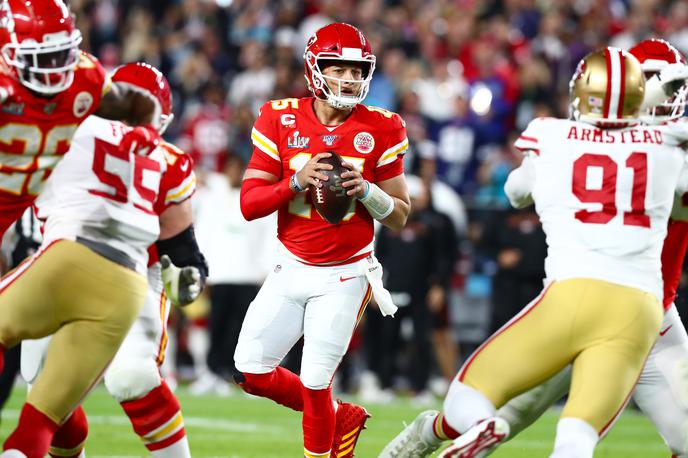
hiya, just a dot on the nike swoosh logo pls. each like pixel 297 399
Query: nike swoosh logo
pixel 661 333
pixel 184 166
pixel 343 279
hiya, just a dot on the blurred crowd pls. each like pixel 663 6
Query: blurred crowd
pixel 466 75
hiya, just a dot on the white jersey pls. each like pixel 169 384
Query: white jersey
pixel 104 195
pixel 603 196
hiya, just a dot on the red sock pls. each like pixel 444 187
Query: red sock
pixel 318 420
pixel 158 408
pixel 33 434
pixel 69 439
pixel 281 385
pixel 443 430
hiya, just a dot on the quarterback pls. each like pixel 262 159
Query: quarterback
pixel 47 88
pixel 603 186
pixel 87 283
pixel 326 273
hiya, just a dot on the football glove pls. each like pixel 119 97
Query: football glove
pixel 6 93
pixel 141 140
pixel 182 284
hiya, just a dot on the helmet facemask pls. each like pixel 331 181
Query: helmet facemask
pixel 338 97
pixel 47 67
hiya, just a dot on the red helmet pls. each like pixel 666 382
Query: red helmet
pixel 150 81
pixel 338 42
pixel 39 43
pixel 654 55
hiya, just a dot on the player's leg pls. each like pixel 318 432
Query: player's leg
pixel 133 378
pixel 662 390
pixel 93 301
pixel 331 316
pixel 273 324
pixel 614 330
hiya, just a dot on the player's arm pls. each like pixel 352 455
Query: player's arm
pixel 184 268
pixel 519 184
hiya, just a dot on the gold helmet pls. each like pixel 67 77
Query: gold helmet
pixel 607 88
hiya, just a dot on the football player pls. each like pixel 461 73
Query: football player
pixel 604 202
pixel 660 391
pixel 87 282
pixel 133 378
pixel 326 272
pixel 47 88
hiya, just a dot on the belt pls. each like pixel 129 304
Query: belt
pixel 106 251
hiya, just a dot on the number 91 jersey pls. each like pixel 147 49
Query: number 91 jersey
pixel 287 134
pixel 604 197
pixel 103 194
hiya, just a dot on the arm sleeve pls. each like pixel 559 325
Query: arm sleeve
pixel 261 197
pixel 519 184
pixel 391 161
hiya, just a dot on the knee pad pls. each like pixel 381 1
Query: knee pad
pixel 132 380
pixel 316 377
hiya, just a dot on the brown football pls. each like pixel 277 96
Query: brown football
pixel 331 200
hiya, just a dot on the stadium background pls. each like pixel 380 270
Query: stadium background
pixel 466 76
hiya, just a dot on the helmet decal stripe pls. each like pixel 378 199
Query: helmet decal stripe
pixel 608 92
pixel 613 82
pixel 622 88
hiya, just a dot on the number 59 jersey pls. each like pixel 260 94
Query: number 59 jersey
pixel 604 197
pixel 103 194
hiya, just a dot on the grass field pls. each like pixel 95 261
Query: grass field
pixel 240 427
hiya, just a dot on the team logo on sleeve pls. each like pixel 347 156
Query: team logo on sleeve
pixel 364 142
pixel 294 141
pixel 82 103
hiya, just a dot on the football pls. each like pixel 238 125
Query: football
pixel 331 200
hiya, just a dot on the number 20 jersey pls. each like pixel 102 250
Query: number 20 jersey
pixel 287 134
pixel 101 194
pixel 604 197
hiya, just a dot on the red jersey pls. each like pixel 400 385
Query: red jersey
pixel 287 134
pixel 177 184
pixel 674 249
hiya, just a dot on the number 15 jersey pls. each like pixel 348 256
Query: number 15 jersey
pixel 287 134
pixel 604 197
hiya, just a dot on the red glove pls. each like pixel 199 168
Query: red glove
pixel 141 140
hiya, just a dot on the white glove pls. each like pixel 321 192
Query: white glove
pixel 182 284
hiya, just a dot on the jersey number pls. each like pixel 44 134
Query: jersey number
pixel 114 169
pixel 299 205
pixel 606 193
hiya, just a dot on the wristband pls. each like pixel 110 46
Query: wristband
pixel 294 184
pixel 378 203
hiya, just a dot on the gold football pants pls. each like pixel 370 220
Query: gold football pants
pixel 603 329
pixel 87 302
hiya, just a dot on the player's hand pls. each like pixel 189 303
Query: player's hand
pixel 182 284
pixel 141 140
pixel 310 173
pixel 355 184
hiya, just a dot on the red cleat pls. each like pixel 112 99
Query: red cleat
pixel 349 424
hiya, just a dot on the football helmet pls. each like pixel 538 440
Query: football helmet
pixel 344 43
pixel 655 55
pixel 149 81
pixel 607 88
pixel 40 44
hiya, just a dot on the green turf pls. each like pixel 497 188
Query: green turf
pixel 239 427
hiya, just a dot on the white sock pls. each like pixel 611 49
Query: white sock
pixel 177 450
pixel 12 453
pixel 465 406
pixel 427 431
pixel 575 439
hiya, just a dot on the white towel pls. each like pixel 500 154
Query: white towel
pixel 372 269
